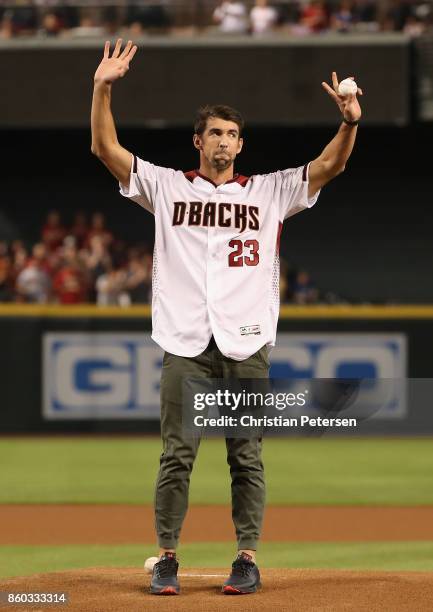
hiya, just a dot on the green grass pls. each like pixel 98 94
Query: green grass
pixel 122 470
pixel 398 556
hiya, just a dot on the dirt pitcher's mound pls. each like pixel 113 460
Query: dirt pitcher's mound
pixel 106 589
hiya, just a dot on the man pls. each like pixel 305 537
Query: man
pixel 231 16
pixel 215 290
pixel 263 18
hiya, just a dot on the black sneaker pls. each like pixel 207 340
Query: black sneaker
pixel 164 576
pixel 245 576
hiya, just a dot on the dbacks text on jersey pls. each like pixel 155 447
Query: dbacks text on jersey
pixel 224 214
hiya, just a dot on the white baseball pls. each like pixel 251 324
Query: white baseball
pixel 347 87
pixel 149 563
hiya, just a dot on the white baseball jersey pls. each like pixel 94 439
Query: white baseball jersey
pixel 216 263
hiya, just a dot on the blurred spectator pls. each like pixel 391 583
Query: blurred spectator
pixel 98 228
pixel 53 232
pixel 33 284
pixel 19 260
pixel 304 290
pixel 139 278
pixel 397 15
pixel 366 16
pixel 288 12
pixel 17 246
pixel 263 18
pixel 40 256
pixel 68 16
pixel 118 253
pixel 70 283
pixel 97 261
pixel 314 16
pixel 414 26
pixel 146 17
pixel 231 16
pixel 87 27
pixel 79 229
pixel 51 25
pixel 19 20
pixel 111 289
pixel 110 20
pixel 342 20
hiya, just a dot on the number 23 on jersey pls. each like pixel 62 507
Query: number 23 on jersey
pixel 237 258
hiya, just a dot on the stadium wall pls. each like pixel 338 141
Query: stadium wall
pixel 276 79
pixel 29 363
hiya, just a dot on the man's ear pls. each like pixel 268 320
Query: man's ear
pixel 240 145
pixel 197 142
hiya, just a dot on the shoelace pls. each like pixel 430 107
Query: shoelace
pixel 166 567
pixel 242 567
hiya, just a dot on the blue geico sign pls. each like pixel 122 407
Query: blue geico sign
pixel 101 376
pixel 116 376
pixel 378 359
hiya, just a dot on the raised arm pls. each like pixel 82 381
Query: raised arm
pixel 334 156
pixel 104 137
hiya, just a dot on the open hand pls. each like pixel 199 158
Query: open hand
pixel 348 105
pixel 115 67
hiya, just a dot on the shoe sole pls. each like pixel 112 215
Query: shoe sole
pixel 165 591
pixel 230 590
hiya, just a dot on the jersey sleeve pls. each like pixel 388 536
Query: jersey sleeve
pixel 291 191
pixel 143 183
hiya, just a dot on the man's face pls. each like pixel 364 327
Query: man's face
pixel 219 143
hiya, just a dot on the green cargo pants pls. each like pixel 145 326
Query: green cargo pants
pixel 179 451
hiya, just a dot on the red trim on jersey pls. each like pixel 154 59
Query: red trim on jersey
pixel 280 227
pixel 242 180
pixel 238 178
pixel 190 175
pixel 134 166
pixel 304 173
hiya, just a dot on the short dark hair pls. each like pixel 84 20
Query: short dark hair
pixel 221 111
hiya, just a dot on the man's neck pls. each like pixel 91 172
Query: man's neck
pixel 216 176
